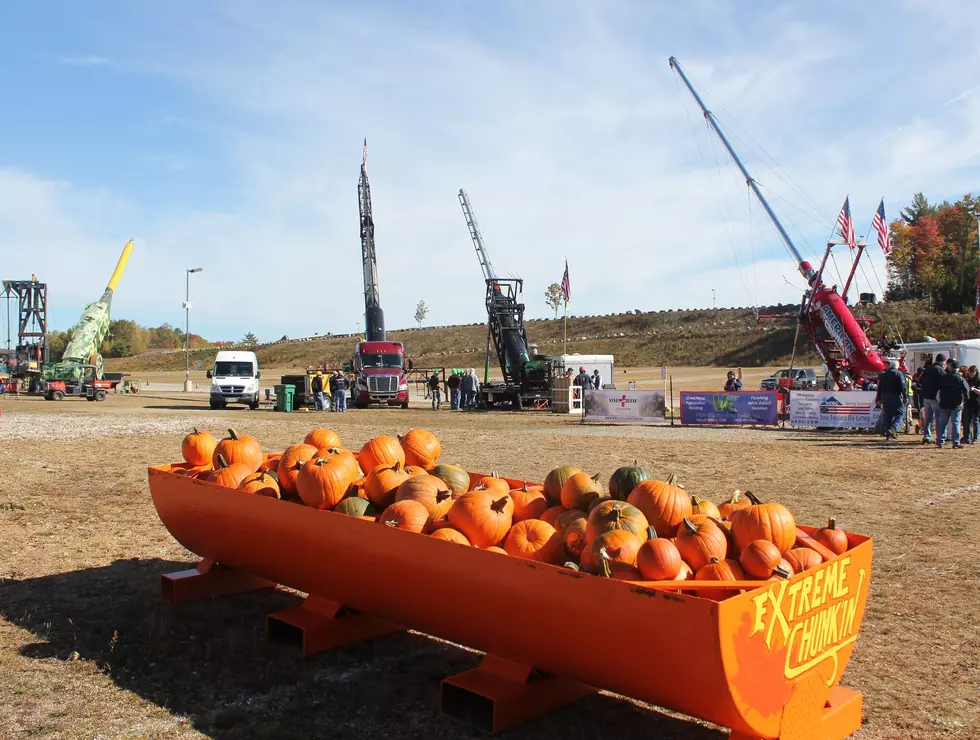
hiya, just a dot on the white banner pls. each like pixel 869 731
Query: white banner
pixel 646 406
pixel 851 409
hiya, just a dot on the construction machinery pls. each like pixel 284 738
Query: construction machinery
pixel 81 363
pixel 528 380
pixel 379 365
pixel 25 360
pixel 838 337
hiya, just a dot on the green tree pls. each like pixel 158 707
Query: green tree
pixel 919 207
pixel 57 341
pixel 421 311
pixel 553 297
pixel 250 338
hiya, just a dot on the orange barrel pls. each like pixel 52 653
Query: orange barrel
pixel 739 662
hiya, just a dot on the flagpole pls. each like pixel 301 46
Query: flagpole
pixel 564 343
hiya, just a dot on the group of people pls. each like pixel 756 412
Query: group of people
pixel 338 385
pixel 586 381
pixel 462 388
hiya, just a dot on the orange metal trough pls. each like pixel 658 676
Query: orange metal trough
pixel 765 663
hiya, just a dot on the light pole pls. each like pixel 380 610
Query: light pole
pixel 188 386
pixel 713 305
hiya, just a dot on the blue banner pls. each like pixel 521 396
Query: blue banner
pixel 743 407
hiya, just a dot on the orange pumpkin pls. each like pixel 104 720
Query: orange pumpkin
pixel 270 463
pixel 613 514
pixel 735 502
pixel 759 559
pixel 832 538
pixel 573 538
pixel 292 461
pixel 803 558
pixel 342 456
pixel 618 570
pixel 383 450
pixel 261 484
pixel 494 548
pixel 198 448
pixel 323 438
pixel 555 480
pixel 760 521
pixel 381 483
pixel 535 540
pixel 229 475
pixel 551 515
pixel 484 517
pixel 568 518
pixel 456 478
pixel 323 482
pixel 686 574
pixel 617 544
pixel 699 543
pixel 431 492
pixel 529 502
pixel 492 484
pixel 237 448
pixel 664 504
pixel 408 515
pixel 658 559
pixel 719 570
pixel 450 535
pixel 703 506
pixel 421 447
pixel 580 490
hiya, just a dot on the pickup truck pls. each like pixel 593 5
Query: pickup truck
pixel 803 379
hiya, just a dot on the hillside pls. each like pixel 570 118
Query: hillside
pixel 719 337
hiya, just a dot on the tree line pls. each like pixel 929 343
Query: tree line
pixel 935 253
pixel 128 338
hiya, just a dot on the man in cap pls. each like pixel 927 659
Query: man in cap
pixel 316 385
pixel 583 379
pixel 953 393
pixel 892 398
pixel 932 374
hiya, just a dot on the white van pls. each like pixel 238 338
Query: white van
pixel 235 379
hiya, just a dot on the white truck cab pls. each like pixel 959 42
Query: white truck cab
pixel 235 379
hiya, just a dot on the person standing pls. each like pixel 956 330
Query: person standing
pixel 316 385
pixel 932 374
pixel 453 384
pixel 971 410
pixel 732 384
pixel 434 390
pixel 340 393
pixel 953 393
pixel 891 398
pixel 596 380
pixel 332 384
pixel 471 386
pixel 583 379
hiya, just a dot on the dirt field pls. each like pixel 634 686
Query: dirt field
pixel 87 650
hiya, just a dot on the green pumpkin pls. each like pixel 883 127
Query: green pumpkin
pixel 453 476
pixel 625 479
pixel 355 506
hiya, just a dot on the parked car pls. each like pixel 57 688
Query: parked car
pixel 804 379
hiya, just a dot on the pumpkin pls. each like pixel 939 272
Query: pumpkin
pixel 573 538
pixel 555 480
pixel 229 475
pixel 535 540
pixel 492 484
pixel 323 438
pixel 703 506
pixel 355 506
pixel 579 491
pixel 760 521
pixel 342 456
pixel 723 525
pixel 658 558
pixel 484 517
pixel 783 570
pixel 594 502
pixel 323 482
pixel 529 502
pixel 237 448
pixel 431 492
pixel 719 570
pixel 625 479
pixel 614 514
pixel 832 538
pixel 456 478
pixel 381 483
pixel 618 570
pixel 383 450
pixel 736 502
pixel 198 448
pixel 494 548
pixel 699 543
pixel 261 484
pixel 759 559
pixel 198 471
pixel 450 535
pixel 292 461
pixel 686 574
pixel 617 544
pixel 567 518
pixel 803 558
pixel 408 515
pixel 421 447
pixel 270 463
pixel 664 504
pixel 551 515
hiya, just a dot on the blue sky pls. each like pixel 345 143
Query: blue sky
pixel 227 135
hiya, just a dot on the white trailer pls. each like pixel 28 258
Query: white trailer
pixel 603 363
pixel 964 351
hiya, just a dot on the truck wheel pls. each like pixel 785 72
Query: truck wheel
pixel 518 402
pixel 100 395
pixel 360 405
pixel 57 395
pixel 254 404
pixel 405 405
pixel 215 405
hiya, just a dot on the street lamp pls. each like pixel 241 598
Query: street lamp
pixel 713 305
pixel 187 333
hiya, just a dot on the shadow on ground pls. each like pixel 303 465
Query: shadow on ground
pixel 210 661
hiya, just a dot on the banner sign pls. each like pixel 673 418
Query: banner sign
pixel 608 405
pixel 742 407
pixel 846 409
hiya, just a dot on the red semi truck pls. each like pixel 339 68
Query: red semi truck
pixel 380 374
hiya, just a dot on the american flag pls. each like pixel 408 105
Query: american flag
pixel 845 226
pixel 566 287
pixel 881 226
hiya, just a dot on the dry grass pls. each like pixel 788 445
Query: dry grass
pixel 87 650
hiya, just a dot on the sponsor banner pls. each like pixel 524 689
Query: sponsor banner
pixel 847 409
pixel 608 405
pixel 742 407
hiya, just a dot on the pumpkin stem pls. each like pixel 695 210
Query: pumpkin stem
pixel 222 463
pixel 617 514
pixel 571 566
pixel 781 572
pixel 832 523
pixel 320 461
pixel 441 496
pixel 524 488
pixel 651 533
pixel 194 429
pixel 500 504
pixel 690 526
pixel 390 523
pixel 595 478
pixel 233 434
pixel 753 498
pixel 736 497
pixel 671 480
pixel 604 562
pixel 714 560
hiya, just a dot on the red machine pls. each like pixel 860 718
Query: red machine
pixel 86 386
